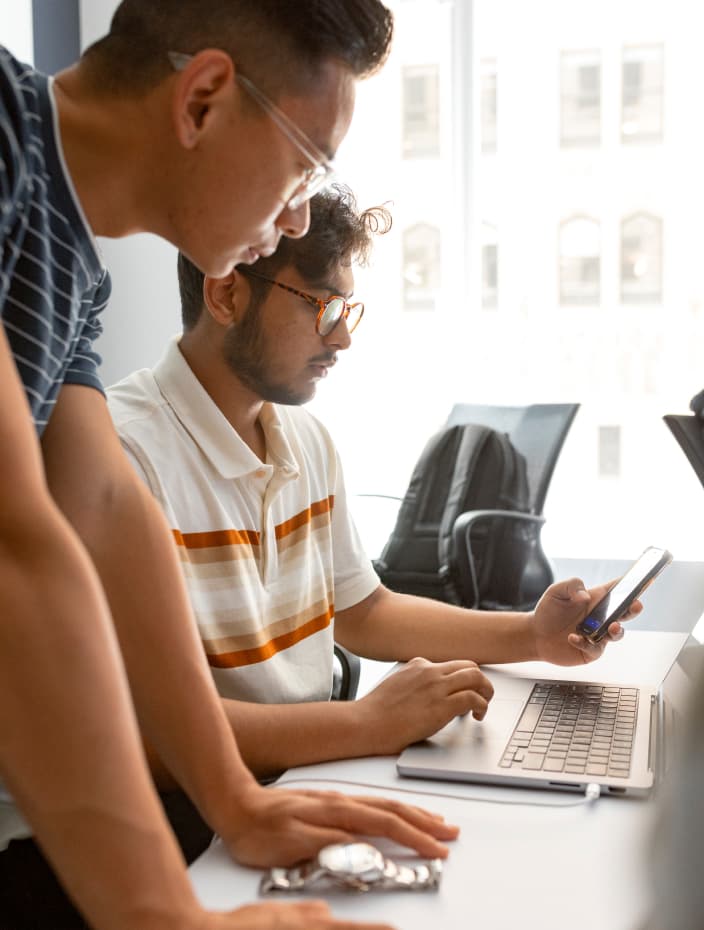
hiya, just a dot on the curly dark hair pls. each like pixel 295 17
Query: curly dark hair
pixel 338 235
pixel 277 43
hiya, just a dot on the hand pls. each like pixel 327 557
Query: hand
pixel 301 915
pixel 557 614
pixel 274 826
pixel 419 699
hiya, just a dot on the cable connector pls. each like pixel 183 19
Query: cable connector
pixel 592 792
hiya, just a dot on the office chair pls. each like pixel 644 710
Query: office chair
pixel 538 432
pixel 689 433
pixel 345 674
pixel 480 577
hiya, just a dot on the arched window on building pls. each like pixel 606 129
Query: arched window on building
pixel 580 261
pixel 421 266
pixel 641 259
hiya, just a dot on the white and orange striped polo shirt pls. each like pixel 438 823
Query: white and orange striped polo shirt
pixel 269 550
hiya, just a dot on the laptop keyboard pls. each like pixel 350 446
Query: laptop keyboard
pixel 575 728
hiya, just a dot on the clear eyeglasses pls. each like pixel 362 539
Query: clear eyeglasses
pixel 320 173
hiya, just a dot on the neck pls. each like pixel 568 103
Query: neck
pixel 104 143
pixel 238 404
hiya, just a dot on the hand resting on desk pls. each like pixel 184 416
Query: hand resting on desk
pixel 281 827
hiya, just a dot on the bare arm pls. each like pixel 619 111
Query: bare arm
pixel 178 706
pixel 409 705
pixel 94 812
pixel 391 626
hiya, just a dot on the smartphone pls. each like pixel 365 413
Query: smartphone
pixel 624 592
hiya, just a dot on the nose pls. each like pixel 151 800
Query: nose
pixel 339 337
pixel 294 223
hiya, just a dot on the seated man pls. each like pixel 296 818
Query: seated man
pixel 253 490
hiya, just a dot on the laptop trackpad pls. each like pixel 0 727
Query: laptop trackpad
pixel 465 745
pixel 496 726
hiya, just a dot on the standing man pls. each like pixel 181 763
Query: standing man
pixel 210 123
pixel 252 488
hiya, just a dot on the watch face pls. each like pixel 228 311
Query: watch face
pixel 357 859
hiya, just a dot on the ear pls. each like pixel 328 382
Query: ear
pixel 225 298
pixel 200 91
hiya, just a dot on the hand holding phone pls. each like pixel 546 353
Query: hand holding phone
pixel 595 626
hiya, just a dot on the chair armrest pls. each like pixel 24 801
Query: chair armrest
pixel 389 497
pixel 461 550
pixel 345 685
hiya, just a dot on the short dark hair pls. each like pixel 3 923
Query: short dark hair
pixel 338 234
pixel 276 42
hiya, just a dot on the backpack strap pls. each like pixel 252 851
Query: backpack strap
pixel 471 447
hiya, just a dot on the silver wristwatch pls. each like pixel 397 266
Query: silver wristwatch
pixel 359 866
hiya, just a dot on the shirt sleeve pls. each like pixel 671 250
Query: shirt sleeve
pixel 13 169
pixel 85 361
pixel 355 577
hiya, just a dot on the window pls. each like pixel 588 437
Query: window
pixel 609 451
pixel 488 105
pixel 421 124
pixel 421 267
pixel 580 261
pixel 642 94
pixel 641 259
pixel 490 270
pixel 580 98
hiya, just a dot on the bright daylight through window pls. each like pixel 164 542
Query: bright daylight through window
pixel 543 166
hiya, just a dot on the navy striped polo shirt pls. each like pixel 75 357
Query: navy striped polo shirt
pixel 53 285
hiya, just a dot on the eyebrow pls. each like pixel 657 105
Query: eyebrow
pixel 332 291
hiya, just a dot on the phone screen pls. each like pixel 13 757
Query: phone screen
pixel 626 590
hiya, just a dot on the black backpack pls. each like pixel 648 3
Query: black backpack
pixel 462 468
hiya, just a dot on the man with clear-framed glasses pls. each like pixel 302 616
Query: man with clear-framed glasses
pixel 252 488
pixel 217 153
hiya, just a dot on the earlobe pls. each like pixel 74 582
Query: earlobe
pixel 206 82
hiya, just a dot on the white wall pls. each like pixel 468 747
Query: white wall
pixel 144 310
pixel 16 28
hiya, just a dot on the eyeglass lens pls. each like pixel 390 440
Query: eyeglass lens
pixel 333 313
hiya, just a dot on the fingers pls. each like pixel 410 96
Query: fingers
pixel 459 683
pixel 279 915
pixel 470 692
pixel 408 826
pixel 589 651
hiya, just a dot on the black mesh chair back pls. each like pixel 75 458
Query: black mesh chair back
pixel 689 433
pixel 538 431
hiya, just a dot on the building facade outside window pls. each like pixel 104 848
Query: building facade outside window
pixel 609 451
pixel 642 94
pixel 490 267
pixel 421 112
pixel 421 267
pixel 580 261
pixel 489 105
pixel 641 259
pixel 580 98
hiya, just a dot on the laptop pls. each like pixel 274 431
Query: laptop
pixel 561 734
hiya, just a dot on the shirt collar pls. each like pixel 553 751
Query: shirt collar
pixel 210 429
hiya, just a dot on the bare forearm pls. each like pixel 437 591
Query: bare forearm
pixel 274 737
pixel 127 538
pixel 177 702
pixel 391 626
pixel 83 786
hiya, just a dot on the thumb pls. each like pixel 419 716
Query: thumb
pixel 570 590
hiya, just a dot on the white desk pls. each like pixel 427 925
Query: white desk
pixel 527 864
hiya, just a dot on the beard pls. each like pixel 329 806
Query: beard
pixel 246 352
